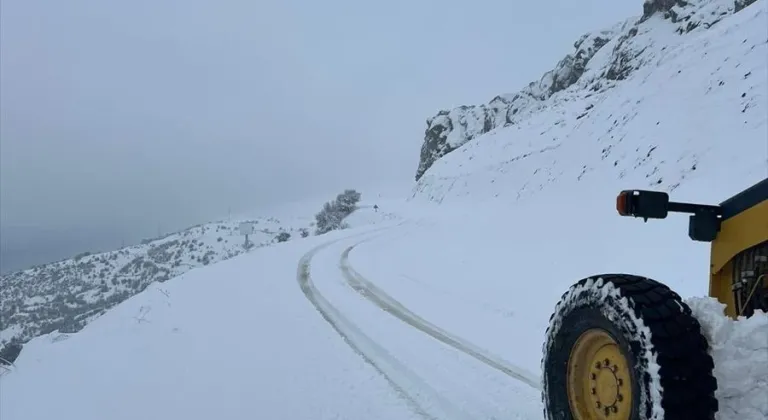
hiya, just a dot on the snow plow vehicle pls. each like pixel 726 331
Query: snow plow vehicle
pixel 626 347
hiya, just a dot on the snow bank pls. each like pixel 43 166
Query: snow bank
pixel 740 351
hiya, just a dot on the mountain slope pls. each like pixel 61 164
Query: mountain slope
pixel 679 79
pixel 65 295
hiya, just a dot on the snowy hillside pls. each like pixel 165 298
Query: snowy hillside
pixel 680 87
pixel 65 295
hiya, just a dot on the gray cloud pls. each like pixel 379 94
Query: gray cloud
pixel 124 116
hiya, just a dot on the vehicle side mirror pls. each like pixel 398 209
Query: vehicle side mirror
pixel 642 203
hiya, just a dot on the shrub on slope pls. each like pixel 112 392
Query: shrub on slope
pixel 331 217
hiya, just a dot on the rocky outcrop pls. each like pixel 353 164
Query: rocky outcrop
pixel 740 4
pixel 627 54
pixel 450 129
pixel 690 14
pixel 650 7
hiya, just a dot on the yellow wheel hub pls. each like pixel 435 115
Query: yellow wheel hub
pixel 598 378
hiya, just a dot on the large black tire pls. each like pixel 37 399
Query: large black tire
pixel 667 355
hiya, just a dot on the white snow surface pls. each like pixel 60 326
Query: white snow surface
pixel 436 306
pixel 72 292
pixel 740 351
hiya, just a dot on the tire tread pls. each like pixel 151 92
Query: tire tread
pixel 686 367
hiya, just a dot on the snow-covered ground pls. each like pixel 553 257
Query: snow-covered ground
pixel 297 330
pixel 250 346
pixel 435 307
pixel 67 294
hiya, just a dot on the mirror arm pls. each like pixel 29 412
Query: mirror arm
pixel 674 207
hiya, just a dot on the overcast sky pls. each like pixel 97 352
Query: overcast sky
pixel 119 117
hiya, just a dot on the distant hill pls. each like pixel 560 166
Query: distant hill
pixel 65 295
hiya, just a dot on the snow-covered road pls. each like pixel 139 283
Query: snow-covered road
pixel 232 340
pixel 239 338
pixel 390 305
pixel 439 374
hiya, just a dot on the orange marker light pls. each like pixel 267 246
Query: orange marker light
pixel 622 203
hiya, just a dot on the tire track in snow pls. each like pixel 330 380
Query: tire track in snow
pixel 390 305
pixel 399 377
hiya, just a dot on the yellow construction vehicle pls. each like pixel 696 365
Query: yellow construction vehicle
pixel 626 347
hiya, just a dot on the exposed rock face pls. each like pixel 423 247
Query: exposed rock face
pixel 740 4
pixel 450 129
pixel 652 6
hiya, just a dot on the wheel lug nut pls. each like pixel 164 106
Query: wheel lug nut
pixel 593 376
pixel 597 365
pixel 618 397
pixel 615 368
pixel 614 409
pixel 607 362
pixel 607 411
